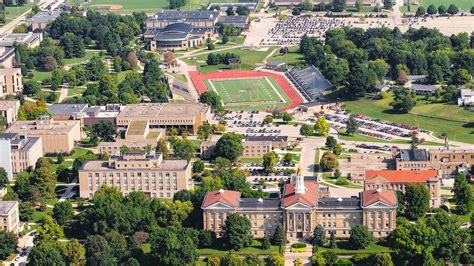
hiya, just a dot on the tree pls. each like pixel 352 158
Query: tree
pixel 388 4
pixel 63 212
pixel 205 131
pixel 169 58
pixel 162 147
pixel 229 146
pixel 206 238
pixel 463 194
pixel 211 98
pixel 306 130
pixel 279 237
pixel 404 100
pixel 360 237
pixel 329 161
pixel 183 148
pixel 331 142
pixel 266 242
pixel 31 88
pixel 318 259
pixel 402 77
pixel 442 10
pixel 118 244
pixel 338 149
pixel 198 166
pixel 72 45
pixel 269 161
pixel 307 5
pixel 268 120
pixel 288 158
pixel 461 77
pixel 417 200
pixel 3 178
pixel 99 251
pixel 321 126
pixel 237 232
pixel 432 10
pixel 451 240
pixel 332 240
pixel 48 231
pixel 46 255
pixel 173 246
pixel 8 242
pixel 225 39
pixel 319 236
pixel 175 4
pixel 25 211
pixel 352 125
pixel 379 67
pixel 420 11
pixel 105 130
pixel 287 117
pixel 339 5
pixel 360 80
pixel 230 11
pixel 453 9
pixel 472 10
pixel 382 259
pixel 74 253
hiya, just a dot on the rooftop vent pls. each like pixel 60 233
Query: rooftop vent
pixel 378 190
pixel 260 200
pixel 339 199
pixel 221 191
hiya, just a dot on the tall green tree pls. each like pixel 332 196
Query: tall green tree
pixel 8 242
pixel 237 232
pixel 329 161
pixel 74 253
pixel 173 246
pixel 417 199
pixel 319 236
pixel 63 212
pixel 269 161
pixel 404 100
pixel 463 194
pixel 360 237
pixel 230 146
pixel 279 237
pixel 321 126
pixel 46 255
pixel 183 148
pixel 99 251
pixel 352 125
pixel 3 178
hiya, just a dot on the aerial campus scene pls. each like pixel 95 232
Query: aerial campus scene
pixel 236 132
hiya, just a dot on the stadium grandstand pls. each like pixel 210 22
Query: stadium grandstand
pixel 310 82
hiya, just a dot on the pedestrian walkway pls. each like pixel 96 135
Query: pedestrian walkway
pixel 305 257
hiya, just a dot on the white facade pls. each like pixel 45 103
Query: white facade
pixel 6 157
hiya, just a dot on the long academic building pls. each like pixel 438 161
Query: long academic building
pixel 302 207
pixel 136 171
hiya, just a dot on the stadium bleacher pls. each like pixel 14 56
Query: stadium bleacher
pixel 310 82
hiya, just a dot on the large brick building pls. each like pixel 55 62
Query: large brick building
pixel 398 180
pixel 302 206
pixel 186 116
pixel 136 171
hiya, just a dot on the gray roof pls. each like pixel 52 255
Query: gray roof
pixel 266 138
pixel 467 93
pixel 418 155
pixel 422 87
pixel 263 203
pixel 20 141
pixel 67 109
pixel 45 16
pixel 310 81
pixel 6 206
pixel 275 63
pixel 237 21
pixel 183 16
pixel 339 203
pixel 174 32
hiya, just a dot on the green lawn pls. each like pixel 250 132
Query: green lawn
pixel 251 160
pixel 249 94
pixel 462 4
pixel 181 77
pixel 330 179
pixel 148 6
pixel 249 59
pixel 344 249
pixel 255 249
pixel 74 61
pixel 358 137
pixel 440 118
pixel 11 12
pixel 74 91
pixel 293 57
pixel 40 75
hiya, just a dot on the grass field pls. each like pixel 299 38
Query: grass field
pixel 462 4
pixel 257 94
pixel 249 59
pixel 75 61
pixel 293 57
pixel 11 12
pixel 440 118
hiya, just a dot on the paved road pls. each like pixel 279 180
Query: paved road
pixel 8 28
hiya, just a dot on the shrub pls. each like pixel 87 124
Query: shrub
pixel 342 181
pixel 298 247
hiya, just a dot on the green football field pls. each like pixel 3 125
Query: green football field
pixel 249 94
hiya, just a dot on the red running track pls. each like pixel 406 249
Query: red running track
pixel 198 81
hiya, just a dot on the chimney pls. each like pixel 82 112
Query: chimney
pixel 221 191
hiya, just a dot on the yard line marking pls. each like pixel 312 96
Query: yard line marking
pixel 277 92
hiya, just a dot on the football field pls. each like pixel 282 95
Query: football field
pixel 259 93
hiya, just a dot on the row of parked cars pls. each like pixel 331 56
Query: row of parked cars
pixel 376 147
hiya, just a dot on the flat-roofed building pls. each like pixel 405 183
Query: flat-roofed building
pixel 254 146
pixel 398 180
pixel 41 19
pixel 302 207
pixel 57 136
pixel 9 111
pixel 354 167
pixel 317 2
pixel 10 81
pixel 144 140
pixel 236 21
pixel 68 111
pixel 9 216
pixel 186 116
pixel 197 18
pixel 30 39
pixel 7 57
pixel 19 152
pixel 136 171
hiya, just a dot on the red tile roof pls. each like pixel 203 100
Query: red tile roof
pixel 370 197
pixel 310 197
pixel 402 176
pixel 227 197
